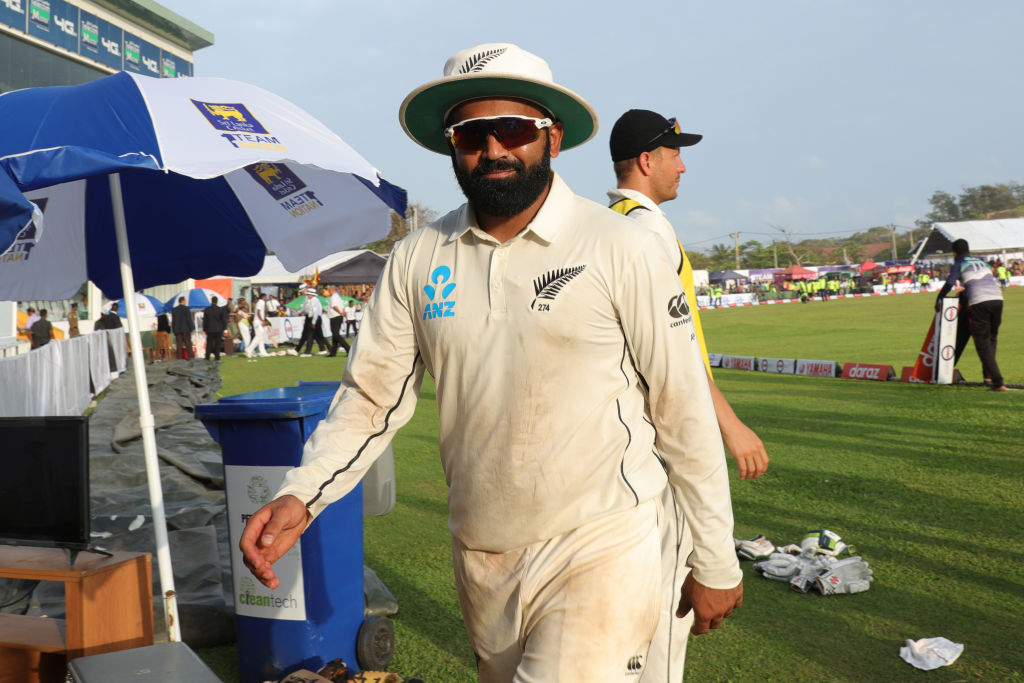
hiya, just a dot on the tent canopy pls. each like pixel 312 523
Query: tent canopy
pixel 275 273
pixel 361 269
pixel 982 236
pixel 722 275
pixel 796 272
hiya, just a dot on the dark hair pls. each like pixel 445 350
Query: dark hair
pixel 181 299
pixel 213 300
pixel 622 169
pixel 74 304
pixel 113 306
pixel 960 247
pixel 42 312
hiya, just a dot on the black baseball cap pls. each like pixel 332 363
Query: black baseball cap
pixel 641 130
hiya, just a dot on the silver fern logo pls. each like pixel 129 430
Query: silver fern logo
pixel 548 286
pixel 478 61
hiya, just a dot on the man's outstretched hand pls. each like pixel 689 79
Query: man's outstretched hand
pixel 269 534
pixel 710 605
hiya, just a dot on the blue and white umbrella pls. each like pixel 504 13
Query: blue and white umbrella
pixel 196 298
pixel 214 173
pixel 144 305
pixel 132 182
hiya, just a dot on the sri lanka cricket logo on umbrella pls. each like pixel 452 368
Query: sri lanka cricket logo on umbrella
pixel 240 127
pixel 277 179
pixel 230 116
pixel 284 185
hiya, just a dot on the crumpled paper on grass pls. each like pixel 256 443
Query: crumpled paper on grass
pixel 930 653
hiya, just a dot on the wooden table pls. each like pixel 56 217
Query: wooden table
pixel 108 606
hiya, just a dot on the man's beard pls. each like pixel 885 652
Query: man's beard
pixel 504 197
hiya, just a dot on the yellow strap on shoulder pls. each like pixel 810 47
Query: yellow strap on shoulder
pixel 686 277
pixel 626 205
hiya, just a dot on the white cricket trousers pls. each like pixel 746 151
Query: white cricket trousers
pixel 259 338
pixel 578 607
pixel 667 655
pixel 243 329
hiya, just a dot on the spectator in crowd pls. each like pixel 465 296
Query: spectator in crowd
pixel 312 326
pixel 110 320
pixel 336 315
pixel 215 321
pixel 261 326
pixel 32 318
pixel 163 337
pixel 73 321
pixel 1003 274
pixel 182 325
pixel 350 319
pixel 273 307
pixel 243 319
pixel 42 331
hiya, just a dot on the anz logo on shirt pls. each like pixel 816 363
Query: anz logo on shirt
pixel 438 291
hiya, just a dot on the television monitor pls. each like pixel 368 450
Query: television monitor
pixel 44 481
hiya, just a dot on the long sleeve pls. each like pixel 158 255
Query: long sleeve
pixel 378 395
pixel 659 329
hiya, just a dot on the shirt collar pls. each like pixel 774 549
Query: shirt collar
pixel 636 195
pixel 546 225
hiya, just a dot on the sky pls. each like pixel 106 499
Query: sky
pixel 820 117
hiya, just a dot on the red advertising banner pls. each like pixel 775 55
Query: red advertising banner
pixel 878 373
pixel 923 370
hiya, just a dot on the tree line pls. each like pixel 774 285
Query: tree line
pixel 982 202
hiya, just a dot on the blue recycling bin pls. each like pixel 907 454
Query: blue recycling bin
pixel 317 612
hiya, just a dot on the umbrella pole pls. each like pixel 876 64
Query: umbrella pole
pixel 156 495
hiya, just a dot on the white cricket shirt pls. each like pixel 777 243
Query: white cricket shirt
pixel 567 372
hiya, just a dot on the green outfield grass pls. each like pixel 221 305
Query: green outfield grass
pixel 876 329
pixel 926 481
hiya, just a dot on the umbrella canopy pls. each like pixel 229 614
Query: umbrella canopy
pixel 297 303
pixel 196 298
pixel 131 182
pixel 217 171
pixel 144 305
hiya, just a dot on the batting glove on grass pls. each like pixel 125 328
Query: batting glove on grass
pixel 852 575
pixel 783 567
pixel 756 548
pixel 825 542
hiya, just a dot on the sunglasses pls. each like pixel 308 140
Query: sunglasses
pixel 673 128
pixel 511 131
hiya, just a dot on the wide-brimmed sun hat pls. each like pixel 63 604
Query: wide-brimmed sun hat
pixel 493 70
